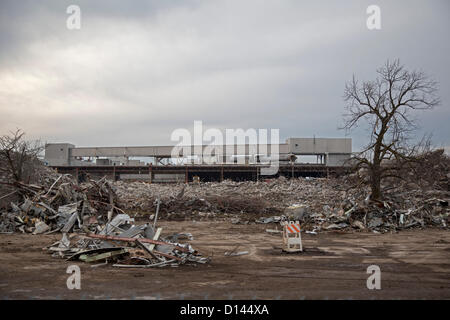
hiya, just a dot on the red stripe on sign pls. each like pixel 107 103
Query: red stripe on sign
pixel 289 229
pixel 295 227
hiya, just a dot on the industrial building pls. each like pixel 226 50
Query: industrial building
pixel 238 162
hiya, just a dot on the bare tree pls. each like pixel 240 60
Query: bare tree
pixel 386 104
pixel 18 157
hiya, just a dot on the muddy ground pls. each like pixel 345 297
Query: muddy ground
pixel 414 265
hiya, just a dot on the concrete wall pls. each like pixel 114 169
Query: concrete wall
pixel 103 162
pixel 337 159
pixel 311 146
pixel 122 151
pixel 169 177
pixel 135 163
pixel 136 176
pixel 166 151
pixel 58 154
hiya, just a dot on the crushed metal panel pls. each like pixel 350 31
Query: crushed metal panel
pixel 101 256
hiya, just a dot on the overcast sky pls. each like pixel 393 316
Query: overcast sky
pixel 137 70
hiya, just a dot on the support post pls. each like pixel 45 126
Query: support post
pixel 150 172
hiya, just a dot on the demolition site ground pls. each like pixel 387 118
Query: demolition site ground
pixel 415 264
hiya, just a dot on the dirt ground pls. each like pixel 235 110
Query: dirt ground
pixel 414 265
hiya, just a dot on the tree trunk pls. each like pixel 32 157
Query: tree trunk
pixel 375 182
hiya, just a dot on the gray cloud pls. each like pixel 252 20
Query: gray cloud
pixel 136 71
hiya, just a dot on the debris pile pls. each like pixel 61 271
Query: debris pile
pixel 320 204
pixel 261 197
pixel 60 204
pixel 127 246
pixel 93 227
pixel 209 198
pixel 399 211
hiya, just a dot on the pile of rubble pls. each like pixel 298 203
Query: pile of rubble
pixel 381 217
pixel 127 246
pixel 352 209
pixel 261 197
pixel 62 206
pixel 320 204
pixel 93 227
pixel 208 197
